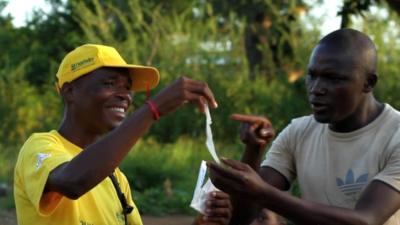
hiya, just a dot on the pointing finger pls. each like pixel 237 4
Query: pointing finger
pixel 249 118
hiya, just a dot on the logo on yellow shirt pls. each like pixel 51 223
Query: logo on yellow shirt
pixel 85 223
pixel 120 218
pixel 40 157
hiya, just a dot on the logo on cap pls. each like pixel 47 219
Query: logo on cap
pixel 81 64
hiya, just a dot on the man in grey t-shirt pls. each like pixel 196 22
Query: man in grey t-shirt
pixel 346 156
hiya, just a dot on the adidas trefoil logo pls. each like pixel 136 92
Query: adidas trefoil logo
pixel 350 186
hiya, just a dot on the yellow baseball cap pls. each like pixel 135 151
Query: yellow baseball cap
pixel 89 57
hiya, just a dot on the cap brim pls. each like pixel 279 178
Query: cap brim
pixel 143 77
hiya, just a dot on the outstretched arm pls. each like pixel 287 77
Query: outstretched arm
pixel 256 132
pixel 97 161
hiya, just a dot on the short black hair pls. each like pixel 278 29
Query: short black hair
pixel 354 44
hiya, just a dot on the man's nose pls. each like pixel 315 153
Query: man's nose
pixel 125 95
pixel 317 87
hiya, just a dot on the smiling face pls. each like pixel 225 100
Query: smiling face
pixel 101 99
pixel 335 84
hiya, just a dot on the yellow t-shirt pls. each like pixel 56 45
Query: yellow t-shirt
pixel 43 152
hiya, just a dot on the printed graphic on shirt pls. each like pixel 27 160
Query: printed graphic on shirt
pixel 349 185
pixel 85 223
pixel 120 218
pixel 40 157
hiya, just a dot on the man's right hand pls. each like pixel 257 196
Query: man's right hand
pixel 182 91
pixel 255 130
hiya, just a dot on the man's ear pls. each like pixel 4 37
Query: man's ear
pixel 370 82
pixel 67 92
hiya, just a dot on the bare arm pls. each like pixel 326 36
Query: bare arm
pixel 97 161
pixel 256 132
pixel 376 204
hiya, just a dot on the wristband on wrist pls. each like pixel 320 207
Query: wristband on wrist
pixel 154 110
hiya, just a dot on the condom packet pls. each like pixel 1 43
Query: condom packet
pixel 209 141
pixel 201 191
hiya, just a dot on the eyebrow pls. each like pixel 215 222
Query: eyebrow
pixel 115 76
pixel 328 71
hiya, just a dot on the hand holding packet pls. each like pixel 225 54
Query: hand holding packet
pixel 201 193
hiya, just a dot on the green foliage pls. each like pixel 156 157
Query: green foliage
pixel 17 108
pixel 154 201
pixel 385 35
pixel 7 202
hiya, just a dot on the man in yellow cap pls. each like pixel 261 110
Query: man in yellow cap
pixel 70 175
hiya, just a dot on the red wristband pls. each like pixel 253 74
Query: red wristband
pixel 154 110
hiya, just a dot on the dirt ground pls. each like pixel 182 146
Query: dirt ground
pixel 8 218
pixel 169 220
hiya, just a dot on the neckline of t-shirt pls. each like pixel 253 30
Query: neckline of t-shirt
pixel 362 130
pixel 71 146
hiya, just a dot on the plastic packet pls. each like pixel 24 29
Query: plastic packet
pixel 209 141
pixel 201 191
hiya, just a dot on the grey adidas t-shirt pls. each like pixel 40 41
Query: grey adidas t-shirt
pixel 334 168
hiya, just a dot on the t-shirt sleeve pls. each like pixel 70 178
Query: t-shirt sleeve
pixel 40 156
pixel 280 155
pixel 390 174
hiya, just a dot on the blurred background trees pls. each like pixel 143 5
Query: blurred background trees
pixel 253 54
pixel 271 30
pixel 360 7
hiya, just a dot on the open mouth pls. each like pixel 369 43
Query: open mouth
pixel 316 106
